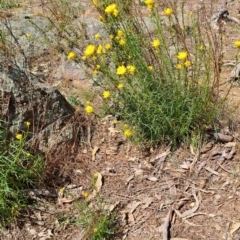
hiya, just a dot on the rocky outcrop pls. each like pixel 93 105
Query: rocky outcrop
pixel 24 99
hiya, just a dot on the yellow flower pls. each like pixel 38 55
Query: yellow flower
pixel 111 36
pixel 201 47
pixel 187 64
pixel 115 121
pixel 122 42
pixel 108 46
pixel 61 190
pixel 95 230
pixel 115 12
pixel 85 194
pixel 106 94
pixel 84 58
pixel 101 18
pixel 100 50
pixel 89 109
pixel 28 154
pixel 131 69
pixel 110 8
pixel 19 136
pixel 98 66
pixel 237 44
pixel 150 68
pixel 156 43
pixel 120 33
pixel 71 55
pixel 121 70
pixel 95 3
pixel 97 36
pixel 127 133
pixel 190 14
pixel 27 123
pixel 182 55
pixel 28 35
pixel 95 175
pixel 149 3
pixel 179 66
pixel 95 72
pixel 89 50
pixel 168 11
pixel 120 86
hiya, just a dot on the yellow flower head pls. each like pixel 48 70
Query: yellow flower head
pixel 19 136
pixel 187 64
pixel 89 109
pixel 115 12
pixel 106 94
pixel 150 68
pixel 149 3
pixel 110 8
pixel 127 133
pixel 168 11
pixel 95 72
pixel 201 47
pixel 98 66
pixel 28 35
pixel 71 55
pixel 101 18
pixel 98 36
pixel 95 3
pixel 179 66
pixel 95 230
pixel 122 42
pixel 182 55
pixel 156 43
pixel 120 86
pixel 131 69
pixel 115 121
pixel 84 58
pixel 89 50
pixel 27 123
pixel 108 46
pixel 121 70
pixel 100 50
pixel 111 36
pixel 120 33
pixel 85 194
pixel 237 44
pixel 61 190
pixel 28 154
pixel 95 175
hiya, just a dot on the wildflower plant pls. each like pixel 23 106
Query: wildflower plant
pixel 150 76
pixel 20 170
pixel 155 84
pixel 96 219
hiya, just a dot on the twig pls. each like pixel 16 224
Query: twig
pixel 166 224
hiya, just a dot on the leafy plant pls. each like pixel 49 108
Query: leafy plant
pixel 158 73
pixel 164 82
pixel 19 171
pixel 92 214
pixel 8 4
pixel 74 101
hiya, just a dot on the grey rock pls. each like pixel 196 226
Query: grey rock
pixel 24 99
pixel 37 27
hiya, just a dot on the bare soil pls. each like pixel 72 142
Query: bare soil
pixel 192 193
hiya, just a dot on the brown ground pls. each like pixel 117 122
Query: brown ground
pixel 147 185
